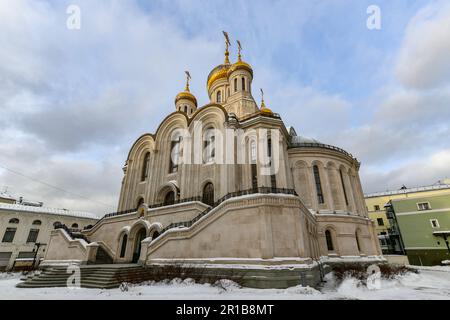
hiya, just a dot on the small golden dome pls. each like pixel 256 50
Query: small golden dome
pixel 186 95
pixel 264 110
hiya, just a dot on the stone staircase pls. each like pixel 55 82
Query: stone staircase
pixel 92 276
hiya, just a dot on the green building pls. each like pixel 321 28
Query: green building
pixel 421 226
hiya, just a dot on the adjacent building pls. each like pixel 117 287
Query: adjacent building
pixel 25 229
pixel 423 228
pixel 380 206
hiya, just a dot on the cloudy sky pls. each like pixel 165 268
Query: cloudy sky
pixel 73 101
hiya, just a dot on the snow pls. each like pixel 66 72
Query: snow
pixel 428 284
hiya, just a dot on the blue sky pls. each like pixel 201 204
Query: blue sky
pixel 73 101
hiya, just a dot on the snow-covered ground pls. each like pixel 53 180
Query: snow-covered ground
pixel 430 283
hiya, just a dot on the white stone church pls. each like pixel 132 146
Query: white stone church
pixel 228 184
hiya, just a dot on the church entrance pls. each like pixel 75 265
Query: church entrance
pixel 141 235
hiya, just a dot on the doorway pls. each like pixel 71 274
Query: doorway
pixel 140 236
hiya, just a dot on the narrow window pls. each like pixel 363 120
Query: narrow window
pixel 318 184
pixel 329 240
pixel 376 207
pixel 243 84
pixel 209 147
pixel 123 247
pixel 208 194
pixel 343 187
pixel 33 235
pixel 254 170
pixel 235 84
pixel 145 166
pixel 380 221
pixel 9 235
pixel 357 241
pixel 219 96
pixel 175 155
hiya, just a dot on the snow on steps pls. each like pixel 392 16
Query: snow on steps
pixel 103 277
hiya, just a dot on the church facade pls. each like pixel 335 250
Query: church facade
pixel 228 183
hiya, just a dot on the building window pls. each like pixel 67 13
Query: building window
pixel 235 84
pixel 9 234
pixel 209 147
pixel 145 166
pixel 329 240
pixel 185 109
pixel 169 198
pixel 380 221
pixel 75 225
pixel 343 187
pixel 123 247
pixel 434 223
pixel 175 155
pixel 14 221
pixel 376 207
pixel 37 222
pixel 243 84
pixel 423 206
pixel 320 197
pixel 140 202
pixel 357 241
pixel 208 194
pixel 219 97
pixel 33 235
pixel 57 224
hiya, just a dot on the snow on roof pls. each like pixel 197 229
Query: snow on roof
pixel 407 190
pixel 5 195
pixel 45 210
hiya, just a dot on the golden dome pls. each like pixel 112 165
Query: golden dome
pixel 186 95
pixel 219 72
pixel 240 65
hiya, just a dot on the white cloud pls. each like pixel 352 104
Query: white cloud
pixel 424 59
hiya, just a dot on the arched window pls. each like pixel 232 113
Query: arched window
pixel 75 225
pixel 186 109
pixel 175 154
pixel 235 84
pixel 14 221
pixel 155 235
pixel 123 247
pixel 219 96
pixel 169 198
pixel 209 146
pixel 243 84
pixel 57 224
pixel 208 194
pixel 329 240
pixel 320 197
pixel 343 186
pixel 145 166
pixel 140 202
pixel 37 222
